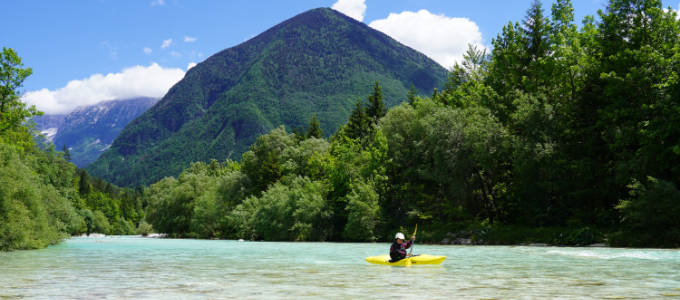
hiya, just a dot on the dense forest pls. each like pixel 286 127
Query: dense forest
pixel 44 197
pixel 562 134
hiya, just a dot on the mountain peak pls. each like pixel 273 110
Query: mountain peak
pixel 317 62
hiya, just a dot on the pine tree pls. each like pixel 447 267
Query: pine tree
pixel 536 28
pixel 411 96
pixel 376 107
pixel 314 128
pixel 357 125
pixel 84 186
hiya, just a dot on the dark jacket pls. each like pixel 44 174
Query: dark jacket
pixel 398 252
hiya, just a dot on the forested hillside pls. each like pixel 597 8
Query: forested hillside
pixel 563 134
pixel 316 63
pixel 43 197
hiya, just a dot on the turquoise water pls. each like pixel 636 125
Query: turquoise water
pixel 143 268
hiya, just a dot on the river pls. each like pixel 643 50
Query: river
pixel 147 268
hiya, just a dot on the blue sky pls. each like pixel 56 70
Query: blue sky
pixel 87 40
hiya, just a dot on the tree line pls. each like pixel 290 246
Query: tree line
pixel 563 134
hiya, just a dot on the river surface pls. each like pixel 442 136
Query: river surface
pixel 146 268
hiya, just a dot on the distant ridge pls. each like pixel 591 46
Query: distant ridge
pixel 89 130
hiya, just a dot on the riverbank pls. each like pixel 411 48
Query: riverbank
pixel 498 235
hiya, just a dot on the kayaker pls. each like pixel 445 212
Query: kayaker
pixel 398 248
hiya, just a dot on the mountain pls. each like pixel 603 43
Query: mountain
pixel 49 125
pixel 90 130
pixel 318 62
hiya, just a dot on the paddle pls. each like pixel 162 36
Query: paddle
pixel 413 242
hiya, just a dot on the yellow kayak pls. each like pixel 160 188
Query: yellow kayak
pixel 422 259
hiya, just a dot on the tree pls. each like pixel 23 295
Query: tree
pixel 650 215
pixel 411 96
pixel 67 153
pixel 363 213
pixel 357 125
pixel 376 107
pixel 536 29
pixel 314 128
pixel 84 186
pixel 12 75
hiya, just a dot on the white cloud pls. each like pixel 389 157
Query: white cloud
pixel 191 65
pixel 441 38
pixel 677 11
pixel 166 43
pixel 353 8
pixel 147 50
pixel 188 39
pixel 137 81
pixel 157 2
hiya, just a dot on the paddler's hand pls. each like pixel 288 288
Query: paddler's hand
pixel 413 237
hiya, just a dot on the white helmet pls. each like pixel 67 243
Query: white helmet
pixel 399 236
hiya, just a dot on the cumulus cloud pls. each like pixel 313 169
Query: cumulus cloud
pixel 188 39
pixel 147 50
pixel 191 65
pixel 353 8
pixel 441 38
pixel 137 81
pixel 166 43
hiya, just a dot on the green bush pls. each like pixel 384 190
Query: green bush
pixel 144 228
pixel 363 213
pixel 649 218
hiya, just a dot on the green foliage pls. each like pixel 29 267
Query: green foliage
pixel 650 215
pixel 376 107
pixel 43 197
pixel 101 223
pixel 144 228
pixel 358 124
pixel 123 227
pixel 295 211
pixel 13 111
pixel 363 213
pixel 314 128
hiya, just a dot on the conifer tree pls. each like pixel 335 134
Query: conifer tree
pixel 357 125
pixel 84 186
pixel 411 96
pixel 314 128
pixel 376 107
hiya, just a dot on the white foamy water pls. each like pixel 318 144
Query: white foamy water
pixel 146 268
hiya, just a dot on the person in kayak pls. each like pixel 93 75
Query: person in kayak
pixel 398 248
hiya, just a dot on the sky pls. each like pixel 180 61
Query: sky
pixel 86 51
